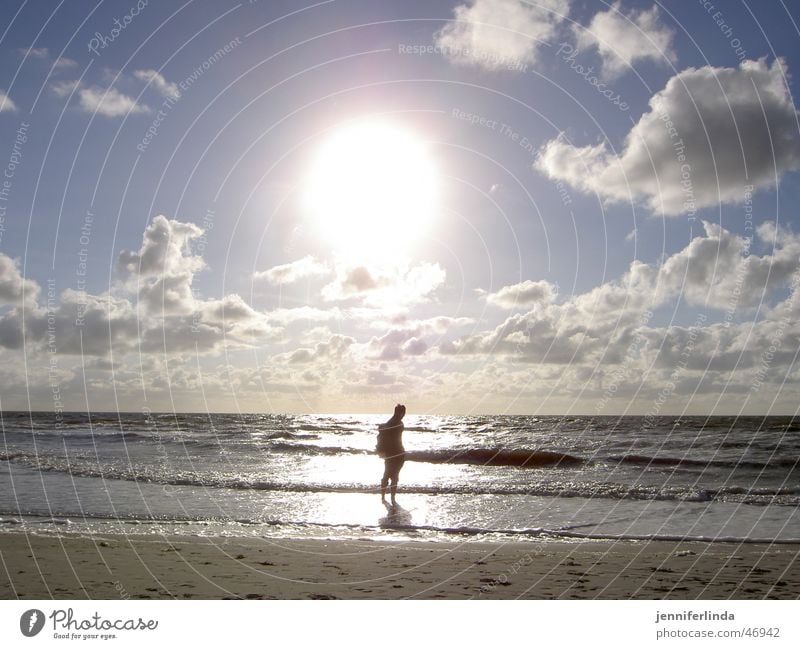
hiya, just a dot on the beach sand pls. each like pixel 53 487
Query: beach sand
pixel 73 567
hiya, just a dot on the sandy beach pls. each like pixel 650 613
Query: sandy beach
pixel 66 567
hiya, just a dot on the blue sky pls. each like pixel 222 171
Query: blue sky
pixel 609 225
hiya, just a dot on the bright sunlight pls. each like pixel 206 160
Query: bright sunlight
pixel 372 188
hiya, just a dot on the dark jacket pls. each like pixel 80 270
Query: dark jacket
pixel 390 438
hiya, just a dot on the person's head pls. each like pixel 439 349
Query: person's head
pixel 399 411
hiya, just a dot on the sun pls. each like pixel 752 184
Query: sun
pixel 372 188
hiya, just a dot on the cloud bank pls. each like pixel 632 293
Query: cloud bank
pixel 709 135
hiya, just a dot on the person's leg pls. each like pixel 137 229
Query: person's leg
pixel 384 481
pixel 396 477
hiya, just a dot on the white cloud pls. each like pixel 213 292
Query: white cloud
pixel 156 79
pixel 522 295
pixel 65 62
pixel 109 102
pixel 498 33
pixel 623 38
pixel 165 249
pixel 334 349
pixel 13 286
pixel 292 272
pixel 285 316
pixel 720 269
pixel 411 337
pixel 390 286
pixel 64 88
pixel 43 54
pixel 166 319
pixel 163 268
pixel 735 126
pixel 35 52
pixel 716 270
pixel 6 105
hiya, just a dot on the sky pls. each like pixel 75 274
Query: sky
pixel 490 206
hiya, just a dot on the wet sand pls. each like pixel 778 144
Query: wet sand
pixel 113 567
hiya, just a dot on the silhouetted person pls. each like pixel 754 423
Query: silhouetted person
pixel 390 448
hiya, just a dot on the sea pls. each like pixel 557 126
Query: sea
pixel 523 478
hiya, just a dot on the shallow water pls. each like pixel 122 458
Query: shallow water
pixel 528 477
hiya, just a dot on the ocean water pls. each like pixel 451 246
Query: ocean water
pixel 722 478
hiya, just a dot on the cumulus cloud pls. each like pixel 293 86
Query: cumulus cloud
pixel 291 272
pixel 397 285
pixel 709 134
pixel 334 349
pixel 167 318
pixel 498 33
pixel 109 102
pixel 522 295
pixel 396 343
pixel 156 79
pixel 95 325
pixel 412 337
pixel 720 269
pixel 79 323
pixel 623 38
pixel 286 316
pixel 165 249
pixel 14 288
pixel 717 270
pixel 163 268
pixel 6 105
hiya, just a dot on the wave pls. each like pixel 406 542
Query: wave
pixel 286 441
pixel 88 468
pixel 681 461
pixel 529 458
pixel 495 457
pixel 22 520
